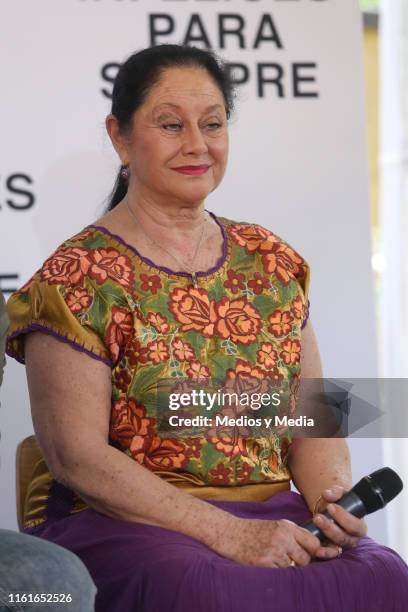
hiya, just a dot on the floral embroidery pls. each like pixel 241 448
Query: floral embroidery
pixel 193 309
pixel 197 370
pixel 267 356
pixel 291 351
pixel 258 283
pixel 280 323
pixel 67 266
pixel 136 353
pixel 128 420
pixel 159 322
pixel 297 308
pixel 158 351
pixel 235 281
pixel 240 327
pixel 220 475
pixel 157 454
pixel 78 299
pixel 284 262
pixel 119 331
pixel 109 263
pixel 150 283
pixel 238 320
pixel 182 350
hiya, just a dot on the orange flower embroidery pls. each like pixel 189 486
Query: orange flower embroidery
pixel 182 350
pixel 267 356
pixel 284 262
pixel 297 307
pixel 109 263
pixel 159 323
pixel 238 320
pixel 158 351
pixel 119 331
pixel 280 323
pixel 159 454
pixel 253 237
pixel 245 378
pixel 78 299
pixel 128 419
pixel 229 439
pixel 67 266
pixel 197 370
pixel 291 352
pixel 193 309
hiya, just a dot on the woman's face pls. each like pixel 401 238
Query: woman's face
pixel 182 122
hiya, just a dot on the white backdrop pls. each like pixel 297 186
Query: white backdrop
pixel 297 161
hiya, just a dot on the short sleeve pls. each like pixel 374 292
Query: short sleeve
pixel 304 284
pixel 290 265
pixel 61 310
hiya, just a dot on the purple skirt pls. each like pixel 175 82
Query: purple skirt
pixel 144 568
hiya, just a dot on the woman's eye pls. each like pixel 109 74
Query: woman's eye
pixel 178 125
pixel 171 125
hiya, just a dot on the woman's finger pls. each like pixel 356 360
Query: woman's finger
pixel 351 524
pixel 333 532
pixel 300 556
pixel 329 551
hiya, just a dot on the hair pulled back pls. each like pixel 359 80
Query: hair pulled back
pixel 142 70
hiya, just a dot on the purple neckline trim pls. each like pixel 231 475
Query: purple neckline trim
pixel 51 332
pixel 217 266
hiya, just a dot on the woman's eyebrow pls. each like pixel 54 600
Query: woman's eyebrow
pixel 209 108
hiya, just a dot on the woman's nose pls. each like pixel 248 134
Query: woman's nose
pixel 194 141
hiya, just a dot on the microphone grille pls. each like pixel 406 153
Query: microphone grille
pixel 379 488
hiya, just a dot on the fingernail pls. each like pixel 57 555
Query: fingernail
pixel 319 518
pixel 329 491
pixel 331 508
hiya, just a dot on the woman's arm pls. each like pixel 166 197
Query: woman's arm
pixel 70 396
pixel 317 463
pixel 321 466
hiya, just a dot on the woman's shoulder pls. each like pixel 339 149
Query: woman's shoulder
pixel 254 235
pixel 73 295
pixel 88 255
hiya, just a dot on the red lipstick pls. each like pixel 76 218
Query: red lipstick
pixel 194 170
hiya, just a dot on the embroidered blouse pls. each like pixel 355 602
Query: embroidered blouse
pixel 241 325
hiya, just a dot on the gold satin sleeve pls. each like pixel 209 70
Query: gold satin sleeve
pixel 42 307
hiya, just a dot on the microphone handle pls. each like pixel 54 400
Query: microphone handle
pixel 350 502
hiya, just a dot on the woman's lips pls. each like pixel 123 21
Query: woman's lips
pixel 192 169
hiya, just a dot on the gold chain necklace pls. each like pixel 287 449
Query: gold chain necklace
pixel 192 272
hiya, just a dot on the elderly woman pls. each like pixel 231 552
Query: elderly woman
pixel 161 289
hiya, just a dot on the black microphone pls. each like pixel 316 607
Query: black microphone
pixel 370 494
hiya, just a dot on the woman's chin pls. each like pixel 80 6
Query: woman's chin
pixel 193 194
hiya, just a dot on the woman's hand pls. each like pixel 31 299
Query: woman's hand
pixel 267 543
pixel 348 531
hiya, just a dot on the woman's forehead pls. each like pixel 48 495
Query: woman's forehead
pixel 184 85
